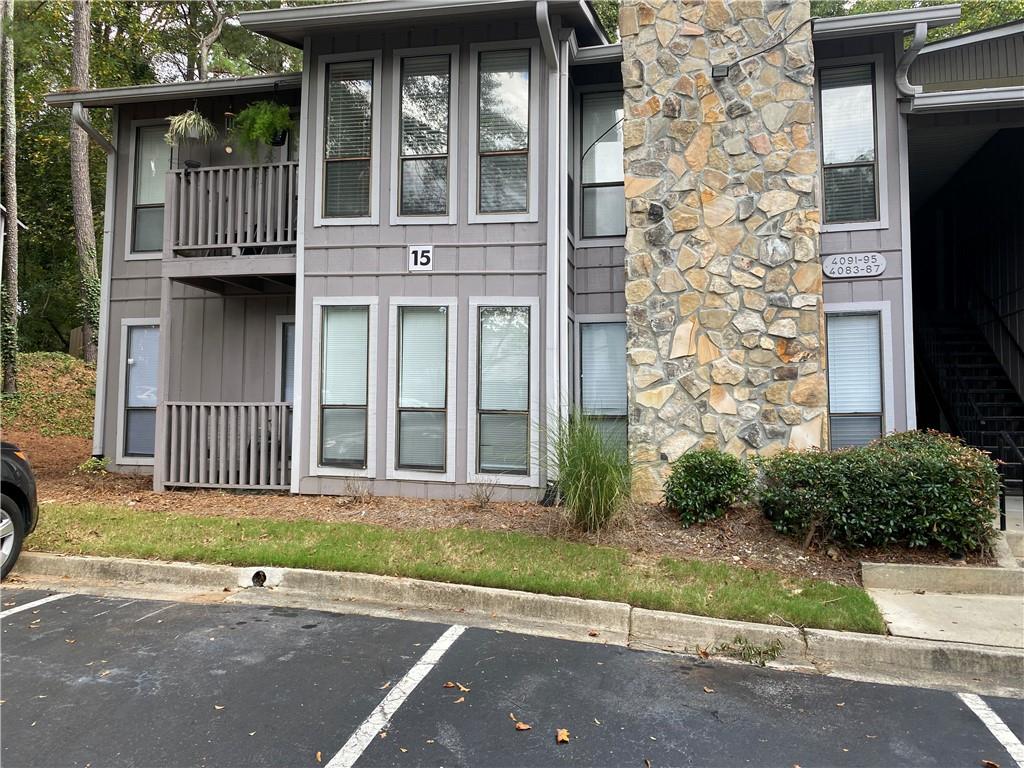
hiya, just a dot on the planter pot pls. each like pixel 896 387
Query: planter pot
pixel 279 139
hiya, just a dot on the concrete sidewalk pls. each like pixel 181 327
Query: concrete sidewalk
pixel 996 620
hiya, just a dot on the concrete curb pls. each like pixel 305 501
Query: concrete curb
pixel 955 666
pixel 963 580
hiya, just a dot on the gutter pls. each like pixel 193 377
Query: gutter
pixel 80 117
pixel 829 28
pixel 979 98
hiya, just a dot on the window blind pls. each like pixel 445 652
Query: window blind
pixel 143 366
pixel 288 362
pixel 345 347
pixel 854 363
pixel 504 87
pixel 140 432
pixel 152 161
pixel 503 443
pixel 847 114
pixel 425 99
pixel 348 139
pixel 603 364
pixel 850 193
pixel 849 431
pixel 423 342
pixel 601 114
pixel 504 367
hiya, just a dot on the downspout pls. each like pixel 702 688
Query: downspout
pixel 81 118
pixel 903 85
pixel 552 278
pixel 567 44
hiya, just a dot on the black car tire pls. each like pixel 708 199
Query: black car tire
pixel 10 506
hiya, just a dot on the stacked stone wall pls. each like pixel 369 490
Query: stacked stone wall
pixel 723 279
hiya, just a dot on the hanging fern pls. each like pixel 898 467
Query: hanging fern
pixel 190 125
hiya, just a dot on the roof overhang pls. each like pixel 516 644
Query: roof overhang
pixel 885 22
pixel 959 101
pixel 110 97
pixel 291 25
pixel 992 33
pixel 599 54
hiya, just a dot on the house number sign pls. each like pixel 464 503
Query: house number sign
pixel 841 265
pixel 421 258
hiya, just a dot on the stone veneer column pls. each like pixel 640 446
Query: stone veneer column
pixel 723 281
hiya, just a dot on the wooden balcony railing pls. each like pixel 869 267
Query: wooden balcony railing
pixel 228 445
pixel 236 210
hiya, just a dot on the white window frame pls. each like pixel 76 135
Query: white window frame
pixel 580 321
pixel 121 458
pixel 393 472
pixel 881 143
pixel 603 241
pixel 533 165
pixel 884 310
pixel 453 138
pixel 532 477
pixel 323 62
pixel 129 254
pixel 316 393
pixel 281 321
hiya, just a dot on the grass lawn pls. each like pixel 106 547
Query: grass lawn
pixel 483 558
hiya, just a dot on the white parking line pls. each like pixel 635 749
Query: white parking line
pixel 995 724
pixel 33 604
pixel 371 726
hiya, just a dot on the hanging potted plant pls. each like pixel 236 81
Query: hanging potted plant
pixel 264 123
pixel 190 125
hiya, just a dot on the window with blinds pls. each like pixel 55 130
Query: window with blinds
pixel 142 370
pixel 422 388
pixel 503 124
pixel 849 156
pixel 854 378
pixel 425 95
pixel 288 361
pixel 152 161
pixel 503 390
pixel 348 139
pixel 603 195
pixel 343 386
pixel 603 378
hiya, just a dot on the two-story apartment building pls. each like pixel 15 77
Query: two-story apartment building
pixel 489 215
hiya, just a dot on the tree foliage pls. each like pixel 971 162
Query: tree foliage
pixel 974 14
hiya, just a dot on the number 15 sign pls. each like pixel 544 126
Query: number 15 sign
pixel 421 258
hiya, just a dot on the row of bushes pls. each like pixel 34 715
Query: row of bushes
pixel 915 489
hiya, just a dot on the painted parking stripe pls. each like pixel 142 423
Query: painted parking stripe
pixel 33 604
pixel 995 724
pixel 371 726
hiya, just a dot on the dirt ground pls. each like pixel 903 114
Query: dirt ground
pixel 742 536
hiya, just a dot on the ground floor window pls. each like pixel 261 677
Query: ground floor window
pixel 343 382
pixel 856 413
pixel 603 377
pixel 142 367
pixel 422 412
pixel 288 360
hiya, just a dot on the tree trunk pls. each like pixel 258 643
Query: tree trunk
pixel 9 291
pixel 81 188
pixel 210 38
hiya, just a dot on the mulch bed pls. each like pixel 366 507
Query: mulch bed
pixel 741 537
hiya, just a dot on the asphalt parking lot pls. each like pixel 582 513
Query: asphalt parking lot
pixel 105 681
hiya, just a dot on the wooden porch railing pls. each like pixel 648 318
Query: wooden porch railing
pixel 228 445
pixel 238 209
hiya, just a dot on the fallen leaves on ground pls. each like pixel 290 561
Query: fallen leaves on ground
pixel 561 736
pixel 708 690
pixel 521 726
pixel 449 684
pixel 218 706
pixel 460 700
pixel 318 757
pixel 989 764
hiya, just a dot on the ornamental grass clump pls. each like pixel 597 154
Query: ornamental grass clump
pixel 914 489
pixel 594 473
pixel 703 484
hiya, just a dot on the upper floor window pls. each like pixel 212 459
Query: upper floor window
pixel 603 192
pixel 425 93
pixel 348 140
pixel 503 131
pixel 849 143
pixel 152 160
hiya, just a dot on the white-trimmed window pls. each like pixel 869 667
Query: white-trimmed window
pixel 849 142
pixel 502 437
pixel 286 358
pixel 421 389
pixel 855 378
pixel 139 397
pixel 602 191
pixel 344 386
pixel 603 395
pixel 349 146
pixel 426 88
pixel 151 159
pixel 504 180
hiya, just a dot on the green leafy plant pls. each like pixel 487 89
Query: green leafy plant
pixel 94 465
pixel 913 488
pixel 594 473
pixel 190 125
pixel 704 483
pixel 262 124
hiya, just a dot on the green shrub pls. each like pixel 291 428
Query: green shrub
pixel 912 488
pixel 704 483
pixel 593 473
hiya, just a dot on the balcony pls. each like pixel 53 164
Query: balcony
pixel 237 220
pixel 227 445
